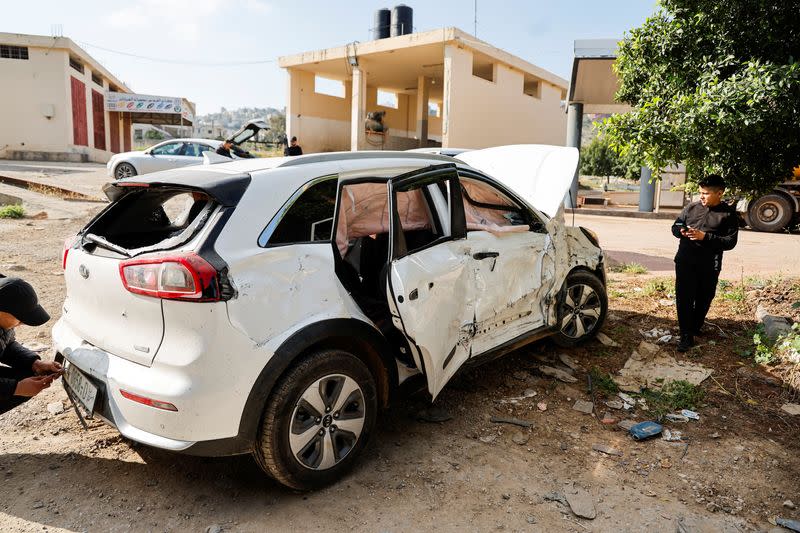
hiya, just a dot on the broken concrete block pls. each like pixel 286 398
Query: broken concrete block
pixel 776 326
pixel 558 374
pixel 791 408
pixel 648 367
pixel 608 450
pixel 582 406
pixel 568 361
pixel 606 340
pixel 581 504
pixel 55 408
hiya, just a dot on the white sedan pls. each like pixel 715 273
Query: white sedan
pixel 163 156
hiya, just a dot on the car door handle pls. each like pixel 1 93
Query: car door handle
pixel 485 255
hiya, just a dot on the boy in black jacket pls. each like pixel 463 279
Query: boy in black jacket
pixel 705 228
pixel 25 374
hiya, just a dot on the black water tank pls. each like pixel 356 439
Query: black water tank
pixel 383 19
pixel 402 20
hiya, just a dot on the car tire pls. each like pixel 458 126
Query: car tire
pixel 771 212
pixel 124 170
pixel 305 446
pixel 582 309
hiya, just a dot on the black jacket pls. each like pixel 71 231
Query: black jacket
pixel 16 356
pixel 721 226
pixel 293 150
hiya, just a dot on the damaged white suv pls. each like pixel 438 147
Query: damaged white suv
pixel 273 306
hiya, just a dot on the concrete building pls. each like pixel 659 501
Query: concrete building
pixel 437 88
pixel 592 87
pixel 58 103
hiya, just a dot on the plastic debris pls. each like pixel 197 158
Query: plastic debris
pixel 794 525
pixel 646 430
pixel 671 435
pixel 673 417
pixel 654 333
pixel 690 414
pixel 629 402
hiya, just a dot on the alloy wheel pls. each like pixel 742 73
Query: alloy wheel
pixel 581 312
pixel 327 421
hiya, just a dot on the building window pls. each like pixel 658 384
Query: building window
pixel 329 87
pixel 97 79
pixel 387 99
pixel 532 87
pixel 434 109
pixel 8 51
pixel 483 68
pixel 77 65
pixel 138 135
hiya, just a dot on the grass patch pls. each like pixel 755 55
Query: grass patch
pixel 12 211
pixel 629 268
pixel 602 381
pixel 659 287
pixel 734 294
pixel 616 293
pixel 674 396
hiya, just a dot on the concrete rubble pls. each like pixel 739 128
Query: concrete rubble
pixel 649 368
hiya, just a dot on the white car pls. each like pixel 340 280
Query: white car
pixel 274 306
pixel 176 153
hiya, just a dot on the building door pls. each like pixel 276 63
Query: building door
pixel 80 129
pixel 99 119
pixel 113 126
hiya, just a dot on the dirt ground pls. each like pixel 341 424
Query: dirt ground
pixel 739 464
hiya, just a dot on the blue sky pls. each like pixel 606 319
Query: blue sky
pixel 217 31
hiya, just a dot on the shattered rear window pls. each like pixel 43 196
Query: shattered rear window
pixel 157 218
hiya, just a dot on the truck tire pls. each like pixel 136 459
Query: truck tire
pixel 771 212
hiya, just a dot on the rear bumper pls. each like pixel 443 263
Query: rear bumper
pixel 194 429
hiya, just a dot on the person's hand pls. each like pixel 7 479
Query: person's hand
pixel 47 367
pixel 695 234
pixel 33 386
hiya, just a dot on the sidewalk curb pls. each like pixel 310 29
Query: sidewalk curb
pixel 623 213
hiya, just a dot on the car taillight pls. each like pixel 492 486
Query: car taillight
pixel 184 276
pixel 158 404
pixel 68 243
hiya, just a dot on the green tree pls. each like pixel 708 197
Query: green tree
pixel 154 135
pixel 714 84
pixel 599 158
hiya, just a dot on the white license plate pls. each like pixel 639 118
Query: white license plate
pixel 81 387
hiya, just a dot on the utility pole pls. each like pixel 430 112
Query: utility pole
pixel 475 11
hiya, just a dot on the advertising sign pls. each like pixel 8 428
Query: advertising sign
pixel 143 103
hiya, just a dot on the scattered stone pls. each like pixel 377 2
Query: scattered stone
pixel 776 326
pixel 666 302
pixel 555 497
pixel 626 425
pixel 542 406
pixel 671 435
pixel 582 406
pixel 38 504
pixel 789 504
pixel 558 374
pixel 615 404
pixel 512 421
pixel 16 268
pixel 608 450
pixel 582 505
pixel 214 528
pixel 674 417
pixel 606 340
pixel 665 463
pixel 758 376
pixel 714 435
pixel 530 519
pixel 529 393
pixel 520 375
pixel 568 361
pixel 648 367
pixel 520 438
pixel 487 439
pixel 608 419
pixel 791 408
pixel 506 496
pixel 55 408
pixel 434 413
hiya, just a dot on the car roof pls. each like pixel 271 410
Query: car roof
pixel 191 140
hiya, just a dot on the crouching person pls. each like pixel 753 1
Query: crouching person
pixel 24 374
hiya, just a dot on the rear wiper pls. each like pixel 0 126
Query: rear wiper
pixel 103 243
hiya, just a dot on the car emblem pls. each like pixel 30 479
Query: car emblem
pixel 83 271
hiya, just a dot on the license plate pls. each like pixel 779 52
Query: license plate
pixel 80 387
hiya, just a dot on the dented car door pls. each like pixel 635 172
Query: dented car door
pixel 430 286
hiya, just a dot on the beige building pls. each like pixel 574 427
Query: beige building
pixel 437 88
pixel 58 103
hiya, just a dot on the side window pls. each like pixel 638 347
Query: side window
pixel 204 148
pixel 193 150
pixel 308 218
pixel 168 149
pixel 486 208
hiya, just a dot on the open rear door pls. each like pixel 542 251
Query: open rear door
pixel 430 283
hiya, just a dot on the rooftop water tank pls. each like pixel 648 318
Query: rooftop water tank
pixel 402 20
pixel 383 19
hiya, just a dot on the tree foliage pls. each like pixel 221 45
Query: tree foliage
pixel 599 158
pixel 714 84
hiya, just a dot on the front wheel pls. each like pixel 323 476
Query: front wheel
pixel 124 170
pixel 317 420
pixel 582 309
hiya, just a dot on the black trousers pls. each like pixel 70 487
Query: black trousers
pixel 13 373
pixel 695 287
